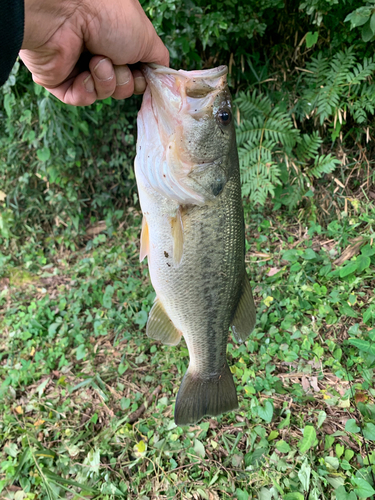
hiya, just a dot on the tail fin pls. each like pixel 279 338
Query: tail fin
pixel 198 397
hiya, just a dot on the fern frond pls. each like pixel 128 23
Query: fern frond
pixel 324 164
pixel 308 146
pixel 361 71
pixel 253 104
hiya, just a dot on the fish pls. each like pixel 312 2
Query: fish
pixel 193 230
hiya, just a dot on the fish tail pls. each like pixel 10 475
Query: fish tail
pixel 200 396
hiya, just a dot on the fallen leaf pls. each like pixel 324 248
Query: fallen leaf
pixel 361 397
pixel 305 384
pixel 314 384
pixel 350 251
pixel 19 410
pixel 273 271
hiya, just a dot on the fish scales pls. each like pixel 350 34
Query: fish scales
pixel 193 231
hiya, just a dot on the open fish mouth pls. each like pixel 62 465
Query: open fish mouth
pixel 175 94
pixel 204 74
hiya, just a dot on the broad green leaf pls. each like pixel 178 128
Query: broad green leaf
pixel 372 23
pixel 367 315
pixel 361 344
pixel 332 462
pixel 321 418
pixel 295 495
pixel 346 310
pixel 348 269
pixel 358 17
pixel 351 426
pixel 369 431
pixel 265 412
pixel 349 454
pixel 368 250
pixel 367 33
pixel 339 450
pixel 309 254
pixel 265 494
pixel 341 494
pixel 285 422
pixel 81 352
pixel 43 154
pixel 304 475
pixel 309 437
pixel 241 494
pixel 107 297
pixel 140 318
pixel 282 446
pixel 363 262
pixel 364 489
pixel 199 448
pixel 273 435
pixel 311 39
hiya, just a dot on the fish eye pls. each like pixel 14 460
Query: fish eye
pixel 224 116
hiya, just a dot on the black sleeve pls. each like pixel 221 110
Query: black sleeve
pixel 11 34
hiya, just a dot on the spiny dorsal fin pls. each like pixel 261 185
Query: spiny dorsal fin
pixel 160 327
pixel 145 241
pixel 245 317
pixel 178 237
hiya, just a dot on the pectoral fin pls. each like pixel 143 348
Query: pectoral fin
pixel 245 317
pixel 178 237
pixel 145 241
pixel 160 327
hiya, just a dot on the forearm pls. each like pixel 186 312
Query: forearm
pixel 11 35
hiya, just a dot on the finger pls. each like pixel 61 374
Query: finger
pixel 124 82
pixel 139 82
pixel 103 74
pixel 76 91
pixel 156 52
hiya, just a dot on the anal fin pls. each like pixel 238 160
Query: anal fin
pixel 145 240
pixel 245 316
pixel 160 327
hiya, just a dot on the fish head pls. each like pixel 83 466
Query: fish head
pixel 189 115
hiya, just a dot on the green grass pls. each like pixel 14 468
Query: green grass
pixel 87 400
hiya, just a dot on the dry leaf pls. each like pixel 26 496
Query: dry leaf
pixel 305 384
pixel 361 397
pixel 350 251
pixel 273 271
pixel 19 410
pixel 314 384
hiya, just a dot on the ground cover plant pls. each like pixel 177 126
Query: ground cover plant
pixel 86 399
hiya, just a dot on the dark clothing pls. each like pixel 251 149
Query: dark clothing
pixel 12 20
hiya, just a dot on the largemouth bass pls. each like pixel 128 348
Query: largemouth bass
pixel 193 229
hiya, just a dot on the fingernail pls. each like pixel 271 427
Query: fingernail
pixel 89 84
pixel 139 85
pixel 104 70
pixel 123 75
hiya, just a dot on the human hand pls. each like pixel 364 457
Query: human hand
pixel 59 32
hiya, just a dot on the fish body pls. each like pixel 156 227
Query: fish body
pixel 193 229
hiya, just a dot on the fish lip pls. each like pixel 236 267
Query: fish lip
pixel 206 74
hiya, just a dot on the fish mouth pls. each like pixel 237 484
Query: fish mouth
pixel 177 94
pixel 203 74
